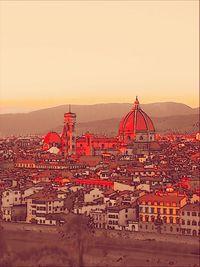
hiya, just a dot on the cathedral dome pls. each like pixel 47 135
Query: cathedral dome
pixel 136 121
pixel 51 139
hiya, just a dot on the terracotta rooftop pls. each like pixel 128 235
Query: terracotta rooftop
pixel 44 195
pixel 161 198
pixel 191 207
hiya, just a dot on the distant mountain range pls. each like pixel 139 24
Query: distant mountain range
pixel 100 118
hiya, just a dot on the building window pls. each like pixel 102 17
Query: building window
pixel 164 211
pixel 146 210
pixel 188 222
pixel 171 219
pixel 188 231
pixel 183 222
pixel 152 210
pixel 171 229
pixel 194 213
pixel 194 232
pixel 165 219
pixel 171 211
pixel 183 212
pixel 188 213
pixel 194 223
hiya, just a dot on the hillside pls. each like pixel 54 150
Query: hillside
pixel 97 117
pixel 182 124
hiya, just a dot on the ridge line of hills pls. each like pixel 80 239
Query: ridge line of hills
pixel 167 117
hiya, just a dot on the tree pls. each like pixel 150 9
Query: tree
pixel 78 231
pixel 6 258
pixel 3 247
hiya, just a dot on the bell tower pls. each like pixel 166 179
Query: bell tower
pixel 68 134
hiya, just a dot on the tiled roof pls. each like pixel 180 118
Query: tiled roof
pixel 161 198
pixel 191 207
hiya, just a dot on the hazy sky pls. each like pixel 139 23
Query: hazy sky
pixel 85 52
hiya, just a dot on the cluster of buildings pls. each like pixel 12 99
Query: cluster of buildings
pixel 136 134
pixel 111 206
pixel 136 181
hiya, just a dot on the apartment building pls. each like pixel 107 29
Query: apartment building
pixel 43 203
pixel 161 212
pixel 190 219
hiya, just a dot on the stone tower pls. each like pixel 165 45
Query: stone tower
pixel 68 134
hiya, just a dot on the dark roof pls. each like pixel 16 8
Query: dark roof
pixel 191 207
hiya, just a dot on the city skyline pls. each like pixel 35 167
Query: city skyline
pixel 99 136
pixel 98 52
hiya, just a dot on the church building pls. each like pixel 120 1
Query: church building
pixel 136 135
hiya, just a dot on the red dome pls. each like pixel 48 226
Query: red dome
pixel 52 137
pixel 136 121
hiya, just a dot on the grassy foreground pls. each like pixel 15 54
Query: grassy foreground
pixel 25 248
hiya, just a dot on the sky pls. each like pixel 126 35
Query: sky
pixel 84 52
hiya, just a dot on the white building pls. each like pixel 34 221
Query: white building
pixel 92 194
pixel 119 216
pixel 43 203
pixel 15 197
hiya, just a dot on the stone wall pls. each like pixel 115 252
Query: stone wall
pixel 11 226
pixel 107 234
pixel 148 236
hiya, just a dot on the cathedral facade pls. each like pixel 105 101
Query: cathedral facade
pixel 136 135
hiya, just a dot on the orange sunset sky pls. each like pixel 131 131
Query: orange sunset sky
pixel 84 52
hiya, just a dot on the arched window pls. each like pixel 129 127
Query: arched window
pixel 194 232
pixel 141 137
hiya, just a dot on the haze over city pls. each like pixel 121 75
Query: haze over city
pixel 85 52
